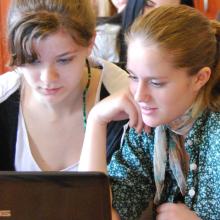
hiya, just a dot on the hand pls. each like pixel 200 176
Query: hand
pixel 115 107
pixel 118 106
pixel 173 211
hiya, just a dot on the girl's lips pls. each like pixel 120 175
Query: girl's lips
pixel 50 91
pixel 147 111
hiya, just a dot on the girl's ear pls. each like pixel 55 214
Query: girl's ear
pixel 91 44
pixel 201 78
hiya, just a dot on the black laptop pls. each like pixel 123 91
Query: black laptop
pixel 54 196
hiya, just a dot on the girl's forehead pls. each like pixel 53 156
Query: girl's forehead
pixel 58 42
pixel 140 47
pixel 152 58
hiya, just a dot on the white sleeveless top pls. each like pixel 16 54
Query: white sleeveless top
pixel 24 160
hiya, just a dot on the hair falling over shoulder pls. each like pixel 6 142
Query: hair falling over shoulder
pixel 215 89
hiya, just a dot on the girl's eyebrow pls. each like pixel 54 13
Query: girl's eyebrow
pixel 148 78
pixel 66 53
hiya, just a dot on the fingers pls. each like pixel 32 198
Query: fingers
pixel 135 117
pixel 166 211
pixel 147 129
pixel 119 107
pixel 173 211
pixel 166 207
pixel 136 120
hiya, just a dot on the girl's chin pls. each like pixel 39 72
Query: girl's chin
pixel 151 123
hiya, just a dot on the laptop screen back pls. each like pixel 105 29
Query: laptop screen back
pixel 54 196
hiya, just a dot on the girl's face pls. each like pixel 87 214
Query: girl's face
pixel 162 91
pixel 57 72
pixel 151 4
pixel 119 4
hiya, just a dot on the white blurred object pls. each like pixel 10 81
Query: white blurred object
pixel 206 5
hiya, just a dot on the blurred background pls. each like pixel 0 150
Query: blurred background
pixel 211 8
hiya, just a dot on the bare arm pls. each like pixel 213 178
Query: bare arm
pixel 93 156
pixel 117 107
pixel 115 215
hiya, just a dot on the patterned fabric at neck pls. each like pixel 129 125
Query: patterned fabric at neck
pixel 178 157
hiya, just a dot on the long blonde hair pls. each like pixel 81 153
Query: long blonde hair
pixel 191 39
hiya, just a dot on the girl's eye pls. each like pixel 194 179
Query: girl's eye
pixel 157 84
pixel 34 62
pixel 132 77
pixel 65 60
pixel 149 4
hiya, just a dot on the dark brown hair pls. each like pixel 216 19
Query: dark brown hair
pixel 30 20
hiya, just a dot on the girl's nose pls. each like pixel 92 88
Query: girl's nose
pixel 48 74
pixel 142 93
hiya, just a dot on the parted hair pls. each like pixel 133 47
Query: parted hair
pixel 30 20
pixel 191 39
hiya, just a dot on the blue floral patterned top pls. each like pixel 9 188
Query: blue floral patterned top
pixel 131 172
